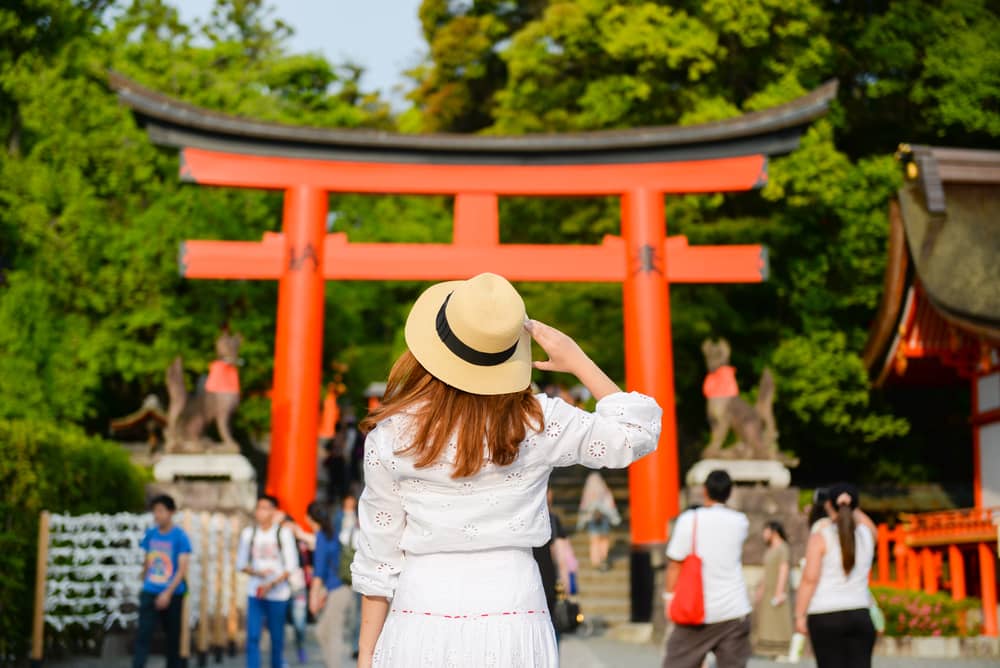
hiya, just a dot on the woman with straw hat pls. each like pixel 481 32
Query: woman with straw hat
pixel 457 462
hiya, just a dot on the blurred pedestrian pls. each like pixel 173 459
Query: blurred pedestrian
pixel 569 566
pixel 168 553
pixel 774 612
pixel 267 554
pixel 716 534
pixel 328 597
pixel 598 512
pixel 833 602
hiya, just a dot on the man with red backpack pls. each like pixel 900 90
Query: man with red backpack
pixel 706 595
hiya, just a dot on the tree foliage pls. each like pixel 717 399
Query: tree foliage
pixel 62 470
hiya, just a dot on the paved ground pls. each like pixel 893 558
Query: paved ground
pixel 596 652
pixel 606 653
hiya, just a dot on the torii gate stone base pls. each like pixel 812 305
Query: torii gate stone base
pixel 639 166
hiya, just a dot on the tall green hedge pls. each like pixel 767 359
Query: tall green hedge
pixel 44 466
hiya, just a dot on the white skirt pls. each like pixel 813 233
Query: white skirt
pixel 468 609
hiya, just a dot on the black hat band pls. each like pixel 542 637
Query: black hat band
pixel 463 351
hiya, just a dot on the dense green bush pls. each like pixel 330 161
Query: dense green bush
pixel 914 613
pixel 61 469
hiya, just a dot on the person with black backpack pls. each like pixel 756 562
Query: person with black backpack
pixel 267 554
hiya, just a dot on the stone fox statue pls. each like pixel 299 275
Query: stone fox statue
pixel 188 415
pixel 754 425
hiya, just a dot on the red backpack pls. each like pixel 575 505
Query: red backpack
pixel 688 604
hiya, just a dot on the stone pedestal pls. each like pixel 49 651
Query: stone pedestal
pixel 742 471
pixel 207 482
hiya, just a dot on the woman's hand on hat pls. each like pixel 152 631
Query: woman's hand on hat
pixel 565 354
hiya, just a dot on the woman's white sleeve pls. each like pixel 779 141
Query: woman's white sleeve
pixel 379 558
pixel 624 427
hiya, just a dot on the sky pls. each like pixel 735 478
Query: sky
pixel 383 36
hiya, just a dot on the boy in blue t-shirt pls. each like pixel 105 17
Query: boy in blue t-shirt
pixel 168 552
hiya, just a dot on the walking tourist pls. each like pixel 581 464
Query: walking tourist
pixel 716 534
pixel 567 563
pixel 328 597
pixel 267 554
pixel 833 601
pixel 168 551
pixel 457 463
pixel 598 512
pixel 774 612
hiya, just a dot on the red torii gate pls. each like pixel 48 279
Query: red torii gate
pixel 640 166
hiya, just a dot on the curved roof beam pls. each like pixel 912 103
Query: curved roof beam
pixel 171 122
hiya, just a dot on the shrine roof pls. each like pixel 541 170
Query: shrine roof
pixel 171 122
pixel 941 295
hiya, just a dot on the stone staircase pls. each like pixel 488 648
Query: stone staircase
pixel 603 596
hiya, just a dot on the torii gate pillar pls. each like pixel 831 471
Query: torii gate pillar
pixel 298 349
pixel 649 357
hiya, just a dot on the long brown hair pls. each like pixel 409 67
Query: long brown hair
pixel 441 411
pixel 845 529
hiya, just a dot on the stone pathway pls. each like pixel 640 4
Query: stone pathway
pixel 606 653
pixel 594 652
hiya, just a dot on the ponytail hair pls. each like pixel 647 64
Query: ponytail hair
pixel 845 530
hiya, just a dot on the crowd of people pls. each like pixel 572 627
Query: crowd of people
pixel 293 575
pixel 421 568
pixel 833 606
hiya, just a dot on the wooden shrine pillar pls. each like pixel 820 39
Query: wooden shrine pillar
pixel 956 572
pixel 653 481
pixel 988 582
pixel 298 351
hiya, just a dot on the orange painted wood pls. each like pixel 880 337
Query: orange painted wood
pixel 477 220
pixel 913 570
pixel 883 554
pixel 929 575
pixel 603 263
pixel 274 173
pixel 298 348
pixel 956 571
pixel 988 582
pixel 654 479
pixel 901 552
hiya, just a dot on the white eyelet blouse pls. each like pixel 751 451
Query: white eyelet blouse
pixel 423 511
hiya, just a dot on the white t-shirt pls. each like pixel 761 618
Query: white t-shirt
pixel 265 558
pixel 719 542
pixel 836 591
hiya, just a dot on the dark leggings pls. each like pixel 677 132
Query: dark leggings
pixel 842 639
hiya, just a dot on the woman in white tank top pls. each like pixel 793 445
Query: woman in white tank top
pixel 833 600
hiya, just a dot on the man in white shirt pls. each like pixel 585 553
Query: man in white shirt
pixel 716 533
pixel 267 553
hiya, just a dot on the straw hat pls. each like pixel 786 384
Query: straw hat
pixel 470 335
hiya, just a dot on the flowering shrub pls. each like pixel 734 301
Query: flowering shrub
pixel 914 613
